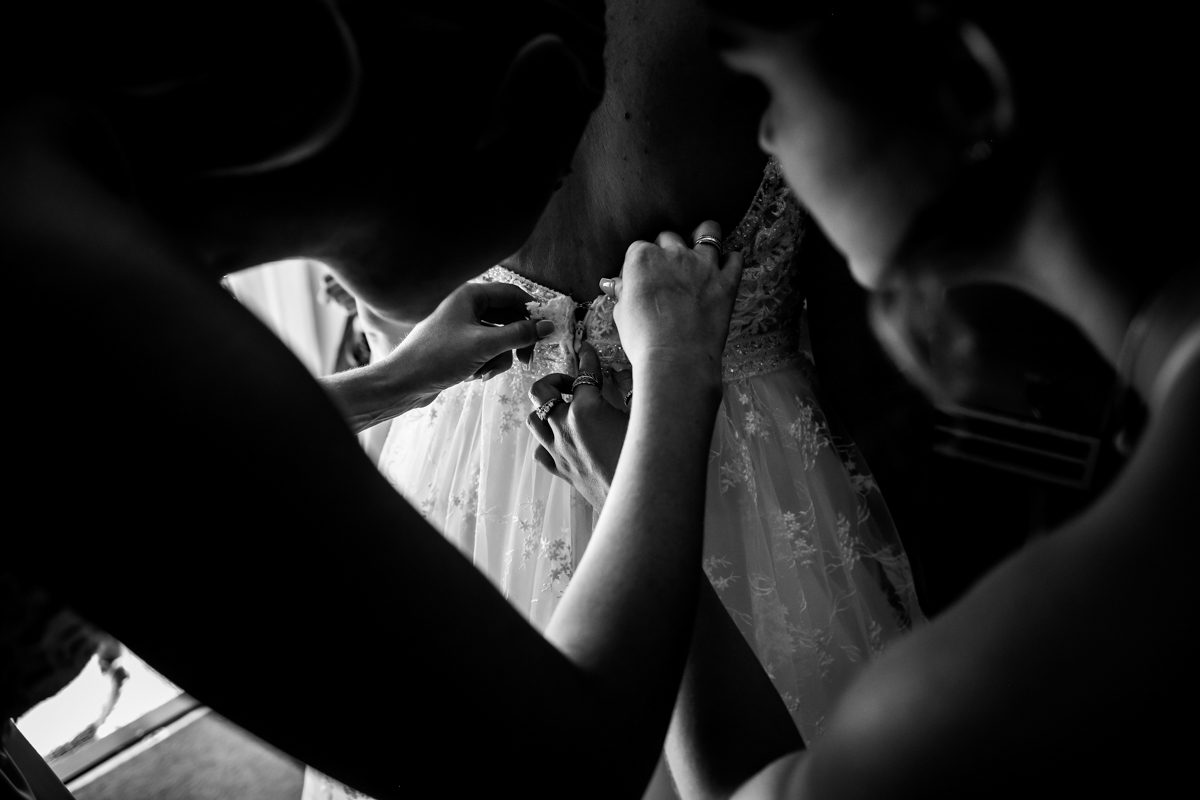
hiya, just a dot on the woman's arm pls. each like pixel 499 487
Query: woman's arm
pixel 471 334
pixel 1063 669
pixel 207 507
pixel 639 575
pixel 728 719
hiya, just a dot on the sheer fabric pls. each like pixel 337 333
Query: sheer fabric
pixel 799 543
pixel 798 540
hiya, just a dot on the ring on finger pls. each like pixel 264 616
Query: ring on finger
pixel 706 239
pixel 585 379
pixel 546 408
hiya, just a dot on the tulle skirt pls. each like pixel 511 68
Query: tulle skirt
pixel 798 541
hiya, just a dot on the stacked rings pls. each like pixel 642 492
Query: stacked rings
pixel 545 409
pixel 585 379
pixel 714 241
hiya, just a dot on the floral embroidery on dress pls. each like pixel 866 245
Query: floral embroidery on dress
pixel 847 544
pixel 427 503
pixel 562 564
pixel 797 543
pixel 809 432
pixel 774 634
pixel 793 536
pixel 514 406
pixel 756 424
pixel 531 527
pixel 769 301
pixel 466 501
pixel 875 635
pixel 719 582
pixel 738 470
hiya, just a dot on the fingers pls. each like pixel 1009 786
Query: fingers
pixel 670 239
pixel 556 384
pixel 525 354
pixel 498 296
pixel 494 367
pixel 543 457
pixel 582 388
pixel 619 384
pixel 611 287
pixel 516 335
pixel 546 394
pixel 731 270
pixel 706 239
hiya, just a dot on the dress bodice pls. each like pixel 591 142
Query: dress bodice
pixel 798 542
pixel 767 329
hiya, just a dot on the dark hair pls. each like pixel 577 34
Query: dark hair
pixel 1100 91
pixel 218 84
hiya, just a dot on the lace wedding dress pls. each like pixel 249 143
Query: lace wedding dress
pixel 798 541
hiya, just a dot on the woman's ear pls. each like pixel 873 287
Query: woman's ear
pixel 547 87
pixel 539 114
pixel 975 87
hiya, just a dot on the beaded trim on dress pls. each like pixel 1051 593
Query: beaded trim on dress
pixel 767 329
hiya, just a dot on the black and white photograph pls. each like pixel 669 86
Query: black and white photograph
pixel 649 399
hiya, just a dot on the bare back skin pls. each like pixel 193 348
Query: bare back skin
pixel 672 143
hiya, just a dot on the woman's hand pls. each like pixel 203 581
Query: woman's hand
pixel 471 334
pixel 580 441
pixel 674 298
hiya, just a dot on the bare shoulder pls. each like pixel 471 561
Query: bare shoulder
pixel 1062 664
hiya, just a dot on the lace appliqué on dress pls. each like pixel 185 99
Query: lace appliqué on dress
pixel 766 331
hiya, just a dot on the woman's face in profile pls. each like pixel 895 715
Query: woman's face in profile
pixel 460 127
pixel 862 160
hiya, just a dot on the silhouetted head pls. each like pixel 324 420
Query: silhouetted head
pixel 381 136
pixel 921 134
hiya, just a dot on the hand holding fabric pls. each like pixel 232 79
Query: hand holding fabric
pixel 471 334
pixel 581 441
pixel 674 299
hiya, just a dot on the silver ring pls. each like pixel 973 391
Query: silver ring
pixel 706 239
pixel 585 379
pixel 628 397
pixel 545 409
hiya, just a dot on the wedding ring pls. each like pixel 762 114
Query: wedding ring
pixel 547 407
pixel 714 241
pixel 585 379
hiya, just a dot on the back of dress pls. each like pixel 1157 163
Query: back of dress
pixel 798 541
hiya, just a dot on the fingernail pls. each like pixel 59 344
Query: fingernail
pixel 606 285
pixel 544 328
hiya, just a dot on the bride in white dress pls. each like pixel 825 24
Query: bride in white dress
pixel 799 543
pixel 798 540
